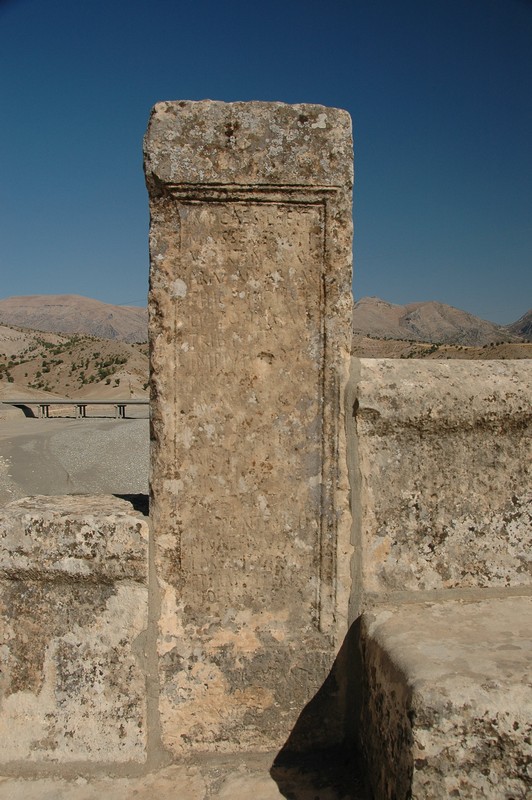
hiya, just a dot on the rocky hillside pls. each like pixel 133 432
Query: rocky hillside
pixel 369 347
pixel 33 363
pixel 431 322
pixel 70 313
pixel 523 326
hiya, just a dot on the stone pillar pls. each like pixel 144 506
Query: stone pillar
pixel 250 320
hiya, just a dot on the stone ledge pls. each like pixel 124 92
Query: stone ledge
pixel 236 776
pixel 87 538
pixel 440 474
pixel 432 396
pixel 446 705
pixel 73 621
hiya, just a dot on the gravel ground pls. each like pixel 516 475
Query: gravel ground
pixel 68 456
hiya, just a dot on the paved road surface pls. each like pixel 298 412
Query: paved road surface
pixel 67 456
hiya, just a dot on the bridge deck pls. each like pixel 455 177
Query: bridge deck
pixel 80 405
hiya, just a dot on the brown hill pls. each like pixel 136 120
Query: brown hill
pixel 369 347
pixel 69 313
pixel 432 322
pixel 33 363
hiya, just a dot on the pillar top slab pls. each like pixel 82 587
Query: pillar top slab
pixel 248 143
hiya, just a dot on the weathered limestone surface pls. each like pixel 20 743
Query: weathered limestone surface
pixel 442 474
pixel 440 459
pixel 250 304
pixel 449 692
pixel 73 618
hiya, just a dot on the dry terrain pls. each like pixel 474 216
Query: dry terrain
pixel 33 364
pixel 65 358
pixel 370 347
pixel 434 330
pixel 523 326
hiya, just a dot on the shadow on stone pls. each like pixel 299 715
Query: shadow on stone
pixel 334 774
pixel 140 502
pixel 320 758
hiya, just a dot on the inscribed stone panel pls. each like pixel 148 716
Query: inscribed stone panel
pixel 248 400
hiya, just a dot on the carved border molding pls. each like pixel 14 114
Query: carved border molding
pixel 327 388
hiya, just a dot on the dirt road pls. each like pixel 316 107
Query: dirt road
pixel 68 456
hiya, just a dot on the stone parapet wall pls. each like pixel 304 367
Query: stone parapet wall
pixel 441 456
pixel 73 620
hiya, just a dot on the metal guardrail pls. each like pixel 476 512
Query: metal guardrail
pixel 80 405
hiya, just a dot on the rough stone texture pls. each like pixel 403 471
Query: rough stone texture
pixel 448 701
pixel 249 306
pixel 250 303
pixel 441 457
pixel 73 617
pixel 250 144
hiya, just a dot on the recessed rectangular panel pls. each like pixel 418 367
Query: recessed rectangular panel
pixel 249 352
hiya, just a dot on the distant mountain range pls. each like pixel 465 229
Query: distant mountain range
pixel 421 322
pixel 433 322
pixel 71 313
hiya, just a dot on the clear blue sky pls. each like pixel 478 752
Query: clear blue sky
pixel 441 99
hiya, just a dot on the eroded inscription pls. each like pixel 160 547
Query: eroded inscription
pixel 249 360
